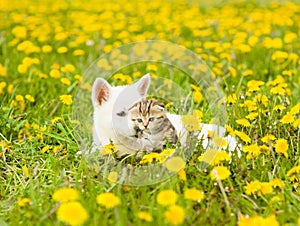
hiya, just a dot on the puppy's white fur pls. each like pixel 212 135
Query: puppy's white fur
pixel 108 102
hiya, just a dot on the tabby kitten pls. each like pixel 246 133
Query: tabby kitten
pixel 152 127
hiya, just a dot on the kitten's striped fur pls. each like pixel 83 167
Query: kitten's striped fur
pixel 151 124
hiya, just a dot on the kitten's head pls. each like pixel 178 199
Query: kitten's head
pixel 147 115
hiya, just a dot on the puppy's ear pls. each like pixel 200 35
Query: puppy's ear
pixel 143 84
pixel 100 92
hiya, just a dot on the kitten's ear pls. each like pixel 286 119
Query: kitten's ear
pixel 159 104
pixel 143 84
pixel 100 92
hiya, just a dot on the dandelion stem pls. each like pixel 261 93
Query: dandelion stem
pixel 253 203
pixel 50 212
pixel 3 137
pixel 222 189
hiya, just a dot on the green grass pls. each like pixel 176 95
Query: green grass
pixel 27 128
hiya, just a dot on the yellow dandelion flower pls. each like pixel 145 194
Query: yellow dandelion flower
pixel 291 173
pixel 46 49
pixel 276 198
pixel 248 72
pixel 252 150
pixel 112 177
pixel 123 78
pixel 104 64
pixel 261 99
pixel 278 108
pixel 253 85
pixel 65 195
pixel 164 155
pixel 265 149
pixel 175 164
pixel 20 98
pixel 175 215
pixel 126 189
pixel 252 40
pixel 232 98
pixel 65 81
pixel 288 72
pixel 2 70
pixel 220 157
pixel 219 141
pixel 251 105
pixel 208 156
pixel 68 68
pixel 195 88
pixel 198 113
pixel 232 71
pixel 281 147
pixel 290 37
pixel 42 75
pixel 278 90
pixel 219 172
pixel 19 32
pixel 277 183
pixel 54 73
pixel 244 137
pixel 152 67
pixel 56 120
pixel 258 221
pixel 10 88
pixel 191 122
pixel 296 123
pixel 149 158
pixel 108 149
pixel 57 149
pixel 23 202
pixel 78 77
pixel 108 200
pixel 278 80
pixel 182 174
pixel 265 188
pixel 198 96
pixel 26 171
pixel 288 118
pixel 267 138
pixel 62 49
pixel 145 216
pixel 72 213
pixel 252 116
pixel 66 99
pixel 78 52
pixel 229 130
pixel 252 187
pixel 243 122
pixel 296 109
pixel 293 57
pixel 2 85
pixel 167 197
pixel 194 194
pixel 29 98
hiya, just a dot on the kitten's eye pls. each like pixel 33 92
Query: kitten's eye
pixel 151 119
pixel 139 120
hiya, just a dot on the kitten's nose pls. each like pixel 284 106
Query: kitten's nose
pixel 145 124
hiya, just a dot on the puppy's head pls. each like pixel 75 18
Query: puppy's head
pixel 120 97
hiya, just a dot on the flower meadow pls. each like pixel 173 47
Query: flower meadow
pixel 252 49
